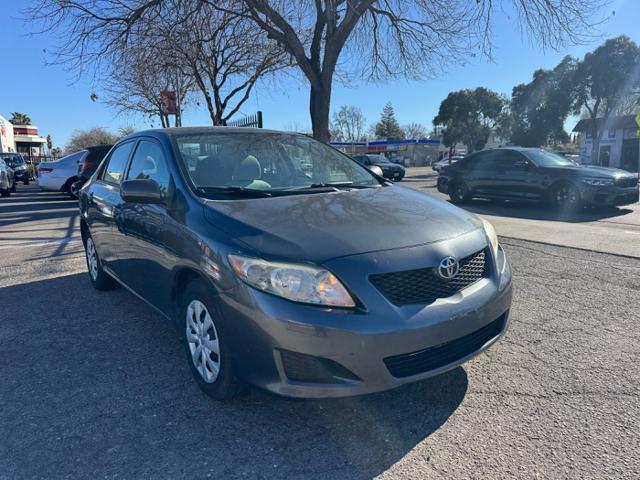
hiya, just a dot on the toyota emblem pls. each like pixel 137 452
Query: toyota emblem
pixel 448 268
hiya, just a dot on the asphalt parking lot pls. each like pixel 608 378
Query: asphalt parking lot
pixel 94 384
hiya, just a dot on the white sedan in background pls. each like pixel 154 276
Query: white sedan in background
pixel 59 175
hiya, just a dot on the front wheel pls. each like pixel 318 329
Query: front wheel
pixel 459 193
pixel 208 353
pixel 565 196
pixel 13 187
pixel 5 193
pixel 99 278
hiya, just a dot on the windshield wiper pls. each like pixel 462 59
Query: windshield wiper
pixel 334 185
pixel 249 192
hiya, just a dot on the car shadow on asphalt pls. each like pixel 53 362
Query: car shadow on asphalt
pixel 530 211
pixel 33 205
pixel 97 383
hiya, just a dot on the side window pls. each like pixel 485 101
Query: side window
pixel 479 162
pixel 114 170
pixel 512 161
pixel 149 163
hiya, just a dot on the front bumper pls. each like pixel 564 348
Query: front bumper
pixel 610 196
pixel 357 346
pixel 393 174
pixel 21 176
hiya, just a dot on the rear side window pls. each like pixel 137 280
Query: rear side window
pixel 149 163
pixel 114 171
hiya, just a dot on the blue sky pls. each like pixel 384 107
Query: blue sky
pixel 59 106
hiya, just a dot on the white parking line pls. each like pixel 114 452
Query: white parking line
pixel 41 244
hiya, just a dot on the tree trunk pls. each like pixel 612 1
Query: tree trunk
pixel 319 102
pixel 595 144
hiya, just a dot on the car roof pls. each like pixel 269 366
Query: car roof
pixel 175 131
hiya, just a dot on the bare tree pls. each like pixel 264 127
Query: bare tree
pixel 137 78
pixel 348 124
pixel 415 131
pixel 376 38
pixel 224 54
pixel 81 139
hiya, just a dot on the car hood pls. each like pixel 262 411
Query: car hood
pixel 322 226
pixel 389 166
pixel 592 171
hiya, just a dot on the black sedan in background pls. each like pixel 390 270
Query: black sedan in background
pixel 18 165
pixel 88 166
pixel 390 170
pixel 516 173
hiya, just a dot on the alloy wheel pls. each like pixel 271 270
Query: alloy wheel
pixel 92 259
pixel 202 337
pixel 566 195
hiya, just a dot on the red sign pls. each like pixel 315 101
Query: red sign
pixel 168 100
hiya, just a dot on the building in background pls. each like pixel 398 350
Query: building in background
pixel 7 143
pixel 620 144
pixel 23 139
pixel 28 142
pixel 410 153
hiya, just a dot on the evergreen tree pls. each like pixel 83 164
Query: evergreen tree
pixel 388 127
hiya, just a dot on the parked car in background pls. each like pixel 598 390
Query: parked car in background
pixel 7 180
pixel 59 176
pixel 87 166
pixel 442 164
pixel 390 170
pixel 515 173
pixel 305 282
pixel 18 165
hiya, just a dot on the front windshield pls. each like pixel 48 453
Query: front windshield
pixel 12 160
pixel 377 160
pixel 266 161
pixel 543 158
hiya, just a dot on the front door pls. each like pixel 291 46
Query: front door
pixel 517 176
pixel 605 155
pixel 630 154
pixel 143 262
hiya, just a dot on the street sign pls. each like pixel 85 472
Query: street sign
pixel 168 101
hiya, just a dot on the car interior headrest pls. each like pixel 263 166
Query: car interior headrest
pixel 248 169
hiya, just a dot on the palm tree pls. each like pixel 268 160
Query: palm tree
pixel 18 118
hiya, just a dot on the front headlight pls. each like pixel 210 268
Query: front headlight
pixel 299 283
pixel 598 182
pixel 491 236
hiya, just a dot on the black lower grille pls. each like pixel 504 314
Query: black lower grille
pixel 424 286
pixel 309 369
pixel 626 182
pixel 435 357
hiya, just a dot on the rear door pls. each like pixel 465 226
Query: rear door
pixel 142 259
pixel 479 172
pixel 103 197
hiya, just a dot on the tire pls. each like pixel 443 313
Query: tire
pixel 5 193
pixel 201 329
pixel 459 193
pixel 72 190
pixel 67 187
pixel 564 196
pixel 99 278
pixel 13 187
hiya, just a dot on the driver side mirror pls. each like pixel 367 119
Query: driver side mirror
pixel 376 169
pixel 141 191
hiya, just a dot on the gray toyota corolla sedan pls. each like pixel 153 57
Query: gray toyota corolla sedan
pixel 288 266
